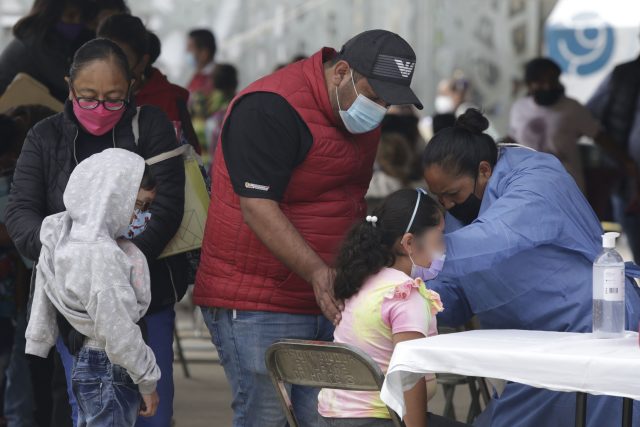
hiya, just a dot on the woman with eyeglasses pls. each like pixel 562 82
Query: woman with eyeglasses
pixel 151 87
pixel 99 114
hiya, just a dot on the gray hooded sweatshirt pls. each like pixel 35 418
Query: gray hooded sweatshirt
pixel 97 281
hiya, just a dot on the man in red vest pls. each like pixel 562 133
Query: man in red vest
pixel 291 170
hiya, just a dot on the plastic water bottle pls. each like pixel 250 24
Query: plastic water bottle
pixel 608 290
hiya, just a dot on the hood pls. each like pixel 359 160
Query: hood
pixel 101 194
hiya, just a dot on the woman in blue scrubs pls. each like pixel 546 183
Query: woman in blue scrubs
pixel 521 241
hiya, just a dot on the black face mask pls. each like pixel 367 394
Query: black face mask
pixel 467 211
pixel 548 97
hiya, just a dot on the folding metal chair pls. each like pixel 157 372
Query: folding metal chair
pixel 322 365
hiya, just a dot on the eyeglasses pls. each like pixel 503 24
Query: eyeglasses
pixel 92 103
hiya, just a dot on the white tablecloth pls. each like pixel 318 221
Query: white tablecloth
pixel 559 361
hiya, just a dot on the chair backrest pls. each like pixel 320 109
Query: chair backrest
pixel 323 365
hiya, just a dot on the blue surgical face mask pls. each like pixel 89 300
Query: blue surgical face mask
pixel 428 273
pixel 191 60
pixel 139 223
pixel 363 116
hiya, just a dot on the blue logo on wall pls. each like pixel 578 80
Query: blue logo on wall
pixel 584 49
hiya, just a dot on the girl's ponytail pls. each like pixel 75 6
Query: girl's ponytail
pixel 369 246
pixel 362 253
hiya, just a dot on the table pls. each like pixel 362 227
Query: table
pixel 559 361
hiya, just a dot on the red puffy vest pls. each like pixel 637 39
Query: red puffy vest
pixel 325 196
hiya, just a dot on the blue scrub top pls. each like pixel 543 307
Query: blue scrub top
pixel 526 263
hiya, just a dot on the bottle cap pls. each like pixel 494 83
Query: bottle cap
pixel 609 240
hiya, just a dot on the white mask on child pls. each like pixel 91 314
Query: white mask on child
pixel 139 223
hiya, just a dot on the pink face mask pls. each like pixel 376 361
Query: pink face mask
pixel 99 120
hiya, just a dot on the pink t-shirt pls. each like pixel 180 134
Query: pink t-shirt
pixel 388 303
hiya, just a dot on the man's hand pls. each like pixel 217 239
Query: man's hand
pixel 322 282
pixel 273 228
pixel 149 404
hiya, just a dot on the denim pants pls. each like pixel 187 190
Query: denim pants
pixel 242 339
pixel 160 327
pixel 18 397
pixel 105 393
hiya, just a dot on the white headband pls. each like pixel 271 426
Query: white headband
pixel 415 210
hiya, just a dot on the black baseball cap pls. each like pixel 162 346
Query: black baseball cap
pixel 388 63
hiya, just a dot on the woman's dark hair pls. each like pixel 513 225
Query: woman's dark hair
pixel 538 69
pixel 148 180
pixel 99 49
pixel 460 149
pixel 44 14
pixel 126 29
pixel 442 121
pixel 9 134
pixel 225 78
pixel 119 5
pixel 204 39
pixel 368 248
pixel 154 47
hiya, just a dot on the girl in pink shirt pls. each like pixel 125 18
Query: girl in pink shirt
pixel 379 276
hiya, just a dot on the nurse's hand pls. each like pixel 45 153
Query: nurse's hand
pixel 322 282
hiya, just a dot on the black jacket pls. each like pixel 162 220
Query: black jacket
pixel 46 59
pixel 620 111
pixel 43 170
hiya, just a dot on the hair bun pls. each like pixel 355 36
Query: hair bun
pixel 473 121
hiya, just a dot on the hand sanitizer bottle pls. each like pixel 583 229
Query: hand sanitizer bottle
pixel 608 290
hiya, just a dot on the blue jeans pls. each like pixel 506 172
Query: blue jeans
pixel 18 397
pixel 242 338
pixel 160 327
pixel 105 393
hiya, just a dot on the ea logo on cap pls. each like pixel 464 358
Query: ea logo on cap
pixel 584 49
pixel 405 67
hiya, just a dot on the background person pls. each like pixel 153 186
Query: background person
pixel 616 104
pixel 46 39
pixel 151 87
pixel 225 81
pixel 98 115
pixel 28 395
pixel 201 54
pixel 548 121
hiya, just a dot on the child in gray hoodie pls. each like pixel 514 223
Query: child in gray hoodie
pixel 99 282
